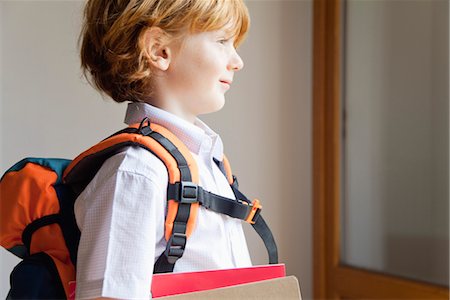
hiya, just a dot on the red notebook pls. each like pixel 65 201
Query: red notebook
pixel 179 283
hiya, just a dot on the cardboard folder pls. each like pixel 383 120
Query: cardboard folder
pixel 285 288
pixel 186 282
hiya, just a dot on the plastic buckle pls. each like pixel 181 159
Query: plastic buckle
pixel 175 247
pixel 254 213
pixel 188 192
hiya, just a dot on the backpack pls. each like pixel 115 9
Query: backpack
pixel 37 209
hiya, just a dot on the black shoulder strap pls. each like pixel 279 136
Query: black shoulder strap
pixel 259 224
pixel 177 241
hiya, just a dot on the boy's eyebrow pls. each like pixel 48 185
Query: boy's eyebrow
pixel 229 34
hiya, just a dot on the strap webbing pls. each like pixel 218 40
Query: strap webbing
pixel 232 208
pixel 216 203
pixel 260 225
pixel 266 235
pixel 261 228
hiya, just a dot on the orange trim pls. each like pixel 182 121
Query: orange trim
pixel 227 167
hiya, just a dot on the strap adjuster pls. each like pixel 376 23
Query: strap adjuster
pixel 175 247
pixel 188 192
pixel 254 212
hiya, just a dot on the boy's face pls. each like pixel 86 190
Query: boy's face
pixel 200 74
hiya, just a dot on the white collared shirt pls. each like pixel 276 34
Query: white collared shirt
pixel 121 215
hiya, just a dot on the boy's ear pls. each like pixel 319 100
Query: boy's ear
pixel 159 51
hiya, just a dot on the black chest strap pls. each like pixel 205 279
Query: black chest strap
pixel 242 209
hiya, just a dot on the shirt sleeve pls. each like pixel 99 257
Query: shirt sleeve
pixel 121 217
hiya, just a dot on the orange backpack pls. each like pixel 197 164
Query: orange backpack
pixel 37 219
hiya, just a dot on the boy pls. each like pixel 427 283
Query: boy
pixel 172 60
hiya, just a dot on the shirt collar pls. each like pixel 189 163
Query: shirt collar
pixel 198 137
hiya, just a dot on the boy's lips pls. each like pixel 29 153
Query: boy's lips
pixel 227 82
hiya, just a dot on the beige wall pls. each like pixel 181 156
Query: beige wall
pixel 47 110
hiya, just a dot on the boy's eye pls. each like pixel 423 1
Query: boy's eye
pixel 224 41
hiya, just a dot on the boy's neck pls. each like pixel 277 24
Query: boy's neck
pixel 176 110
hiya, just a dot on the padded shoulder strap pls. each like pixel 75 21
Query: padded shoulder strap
pixel 181 167
pixel 84 167
pixel 165 145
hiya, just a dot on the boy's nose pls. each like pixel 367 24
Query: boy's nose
pixel 236 62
